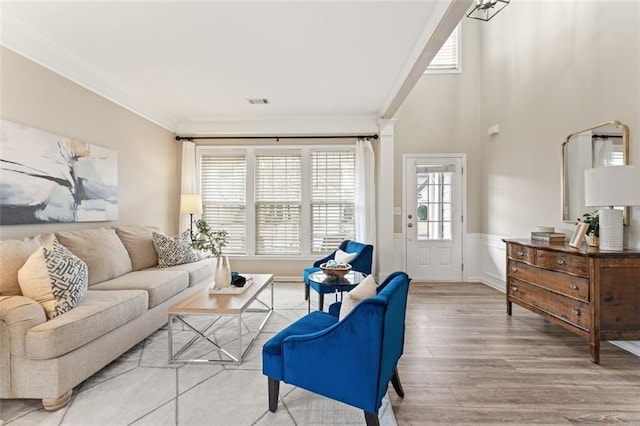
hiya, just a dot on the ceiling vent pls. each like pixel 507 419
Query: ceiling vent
pixel 258 101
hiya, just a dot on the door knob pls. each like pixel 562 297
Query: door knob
pixel 410 217
pixel 410 225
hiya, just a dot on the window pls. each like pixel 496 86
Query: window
pixel 435 202
pixel 279 201
pixel 222 187
pixel 447 60
pixel 332 199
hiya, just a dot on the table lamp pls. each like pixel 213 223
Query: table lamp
pixel 190 204
pixel 608 187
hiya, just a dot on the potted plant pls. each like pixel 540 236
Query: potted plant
pixel 593 232
pixel 207 240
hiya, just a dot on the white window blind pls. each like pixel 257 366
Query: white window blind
pixel 332 198
pixel 223 189
pixel 278 196
pixel 448 58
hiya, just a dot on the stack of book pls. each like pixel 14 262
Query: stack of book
pixel 548 237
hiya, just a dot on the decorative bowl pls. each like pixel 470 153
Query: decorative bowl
pixel 338 271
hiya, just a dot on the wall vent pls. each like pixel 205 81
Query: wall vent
pixel 258 101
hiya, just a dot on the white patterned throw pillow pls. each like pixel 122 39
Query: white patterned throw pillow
pixel 174 251
pixel 55 278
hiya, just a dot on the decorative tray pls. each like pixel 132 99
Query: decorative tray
pixel 232 289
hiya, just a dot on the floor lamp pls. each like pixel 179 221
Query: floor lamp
pixel 607 187
pixel 190 204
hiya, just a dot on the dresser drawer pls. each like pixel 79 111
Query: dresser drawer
pixel 565 308
pixel 578 265
pixel 560 282
pixel 526 254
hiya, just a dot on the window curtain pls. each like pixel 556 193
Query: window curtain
pixel 365 193
pixel 189 183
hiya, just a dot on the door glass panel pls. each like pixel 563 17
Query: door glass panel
pixel 434 211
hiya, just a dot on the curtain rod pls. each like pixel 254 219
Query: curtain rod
pixel 277 138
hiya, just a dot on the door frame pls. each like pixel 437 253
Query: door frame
pixel 463 194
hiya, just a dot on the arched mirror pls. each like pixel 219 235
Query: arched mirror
pixel 604 145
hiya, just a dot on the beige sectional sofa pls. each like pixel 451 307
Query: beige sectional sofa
pixel 127 300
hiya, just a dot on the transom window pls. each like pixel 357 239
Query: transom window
pixel 447 60
pixel 279 201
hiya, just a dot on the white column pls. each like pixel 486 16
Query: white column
pixel 385 160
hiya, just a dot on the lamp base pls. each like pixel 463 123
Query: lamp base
pixel 611 235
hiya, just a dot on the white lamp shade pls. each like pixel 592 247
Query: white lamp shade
pixel 612 186
pixel 190 204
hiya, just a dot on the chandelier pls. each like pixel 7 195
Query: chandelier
pixel 486 9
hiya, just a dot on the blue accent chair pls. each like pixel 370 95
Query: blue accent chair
pixel 352 360
pixel 361 263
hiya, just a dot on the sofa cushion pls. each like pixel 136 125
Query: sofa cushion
pixel 14 253
pixel 159 283
pixel 102 251
pixel 174 250
pixel 55 278
pixel 96 315
pixel 198 271
pixel 138 241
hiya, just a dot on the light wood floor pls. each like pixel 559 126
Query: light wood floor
pixel 466 362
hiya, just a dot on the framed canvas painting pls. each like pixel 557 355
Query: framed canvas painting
pixel 50 178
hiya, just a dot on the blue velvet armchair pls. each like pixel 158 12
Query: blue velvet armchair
pixel 361 263
pixel 351 360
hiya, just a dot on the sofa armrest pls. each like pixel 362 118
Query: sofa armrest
pixel 18 314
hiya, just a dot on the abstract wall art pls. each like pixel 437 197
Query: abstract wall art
pixel 50 178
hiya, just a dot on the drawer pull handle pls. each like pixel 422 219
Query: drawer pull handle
pixel 573 286
pixel 514 288
pixel 561 261
pixel 576 312
pixel 520 253
pixel 514 268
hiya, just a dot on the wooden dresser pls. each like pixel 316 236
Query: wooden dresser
pixel 591 293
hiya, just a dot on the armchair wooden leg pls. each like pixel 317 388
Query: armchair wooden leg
pixel 274 389
pixel 306 291
pixel 320 301
pixel 397 386
pixel 371 419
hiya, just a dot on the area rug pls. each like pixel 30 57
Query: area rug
pixel 143 388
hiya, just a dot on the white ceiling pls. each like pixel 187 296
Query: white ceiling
pixel 191 66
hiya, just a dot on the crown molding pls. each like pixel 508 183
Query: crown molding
pixel 26 41
pixel 309 125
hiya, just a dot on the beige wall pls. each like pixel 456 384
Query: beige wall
pixel 148 155
pixel 442 115
pixel 540 70
pixel 550 69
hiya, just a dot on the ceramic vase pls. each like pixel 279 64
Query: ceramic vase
pixel 223 272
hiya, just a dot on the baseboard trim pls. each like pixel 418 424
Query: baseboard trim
pixel 287 279
pixel 493 281
pixel 633 347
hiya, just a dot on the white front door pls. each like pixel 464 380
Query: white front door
pixel 433 214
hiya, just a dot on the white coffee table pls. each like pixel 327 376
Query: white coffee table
pixel 216 306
